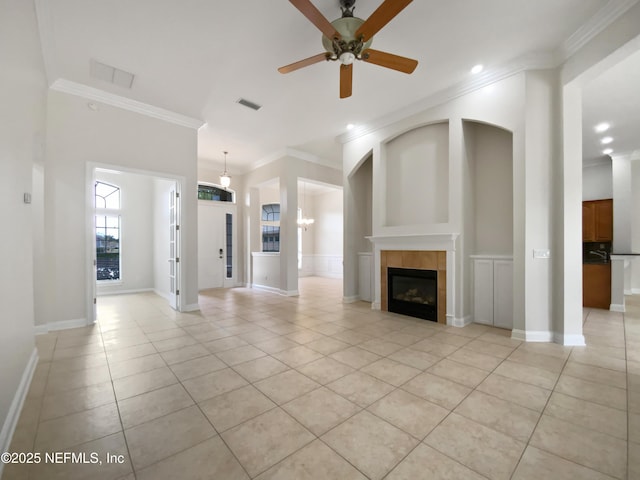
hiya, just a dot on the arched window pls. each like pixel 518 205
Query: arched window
pixel 271 227
pixel 107 198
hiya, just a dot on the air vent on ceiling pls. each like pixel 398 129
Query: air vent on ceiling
pixel 249 104
pixel 111 74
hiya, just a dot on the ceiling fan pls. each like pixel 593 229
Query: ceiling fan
pixel 349 38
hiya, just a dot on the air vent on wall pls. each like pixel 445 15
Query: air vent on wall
pixel 111 74
pixel 249 104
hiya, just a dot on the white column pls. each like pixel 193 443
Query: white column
pixel 289 234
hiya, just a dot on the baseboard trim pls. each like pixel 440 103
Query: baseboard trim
pixel 326 275
pixel 192 307
pixel 616 307
pixel 41 329
pixel 532 336
pixel 459 322
pixel 289 293
pixel 60 325
pixel 125 292
pixel 376 306
pixel 351 299
pixel 628 291
pixel 9 426
pixel 574 340
pixel 266 288
pixel 164 295
pixel 635 291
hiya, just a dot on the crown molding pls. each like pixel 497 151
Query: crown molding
pixel 596 24
pixel 537 61
pixel 90 93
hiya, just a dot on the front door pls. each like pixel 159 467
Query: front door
pixel 216 234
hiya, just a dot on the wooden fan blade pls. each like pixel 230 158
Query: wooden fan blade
pixel 346 80
pixel 383 15
pixel 313 14
pixel 303 63
pixel 389 60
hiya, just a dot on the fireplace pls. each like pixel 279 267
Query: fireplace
pixel 413 292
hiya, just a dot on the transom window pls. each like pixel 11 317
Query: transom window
pixel 211 192
pixel 107 196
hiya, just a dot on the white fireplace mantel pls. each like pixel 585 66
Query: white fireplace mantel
pixel 422 241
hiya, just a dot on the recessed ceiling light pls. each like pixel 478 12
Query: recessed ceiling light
pixel 607 151
pixel 602 127
pixel 606 140
pixel 350 126
pixel 477 69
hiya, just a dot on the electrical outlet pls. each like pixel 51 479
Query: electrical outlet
pixel 541 253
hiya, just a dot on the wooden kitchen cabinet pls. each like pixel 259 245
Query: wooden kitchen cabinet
pixel 596 285
pixel 597 221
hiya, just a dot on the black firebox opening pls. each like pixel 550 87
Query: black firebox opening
pixel 413 292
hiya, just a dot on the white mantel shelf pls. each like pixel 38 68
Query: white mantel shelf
pixel 418 241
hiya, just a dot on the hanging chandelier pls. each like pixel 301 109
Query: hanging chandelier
pixel 225 178
pixel 303 221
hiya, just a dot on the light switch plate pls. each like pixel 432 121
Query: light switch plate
pixel 541 253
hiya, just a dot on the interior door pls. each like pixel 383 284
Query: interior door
pixel 211 247
pixel 174 248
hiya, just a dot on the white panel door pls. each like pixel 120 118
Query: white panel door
pixel 483 291
pixel 213 271
pixel 174 248
pixel 503 293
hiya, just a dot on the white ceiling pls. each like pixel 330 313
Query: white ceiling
pixel 614 98
pixel 197 58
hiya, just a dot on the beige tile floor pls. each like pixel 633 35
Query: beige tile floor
pixel 258 385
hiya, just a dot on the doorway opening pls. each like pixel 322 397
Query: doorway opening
pixel 133 235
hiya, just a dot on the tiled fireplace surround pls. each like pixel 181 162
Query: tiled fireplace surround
pixel 427 252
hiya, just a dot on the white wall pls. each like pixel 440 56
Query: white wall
pixel 597 181
pixel 417 171
pixel 22 125
pixel 493 190
pixel 119 139
pixel 635 224
pixel 622 203
pixel 136 227
pixel 328 234
pixel 266 270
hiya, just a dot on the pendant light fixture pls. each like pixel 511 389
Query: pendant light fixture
pixel 303 221
pixel 225 178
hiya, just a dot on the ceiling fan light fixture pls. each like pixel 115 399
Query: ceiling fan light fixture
pixel 347 58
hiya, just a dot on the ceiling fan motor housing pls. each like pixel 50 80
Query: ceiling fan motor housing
pixel 348 48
